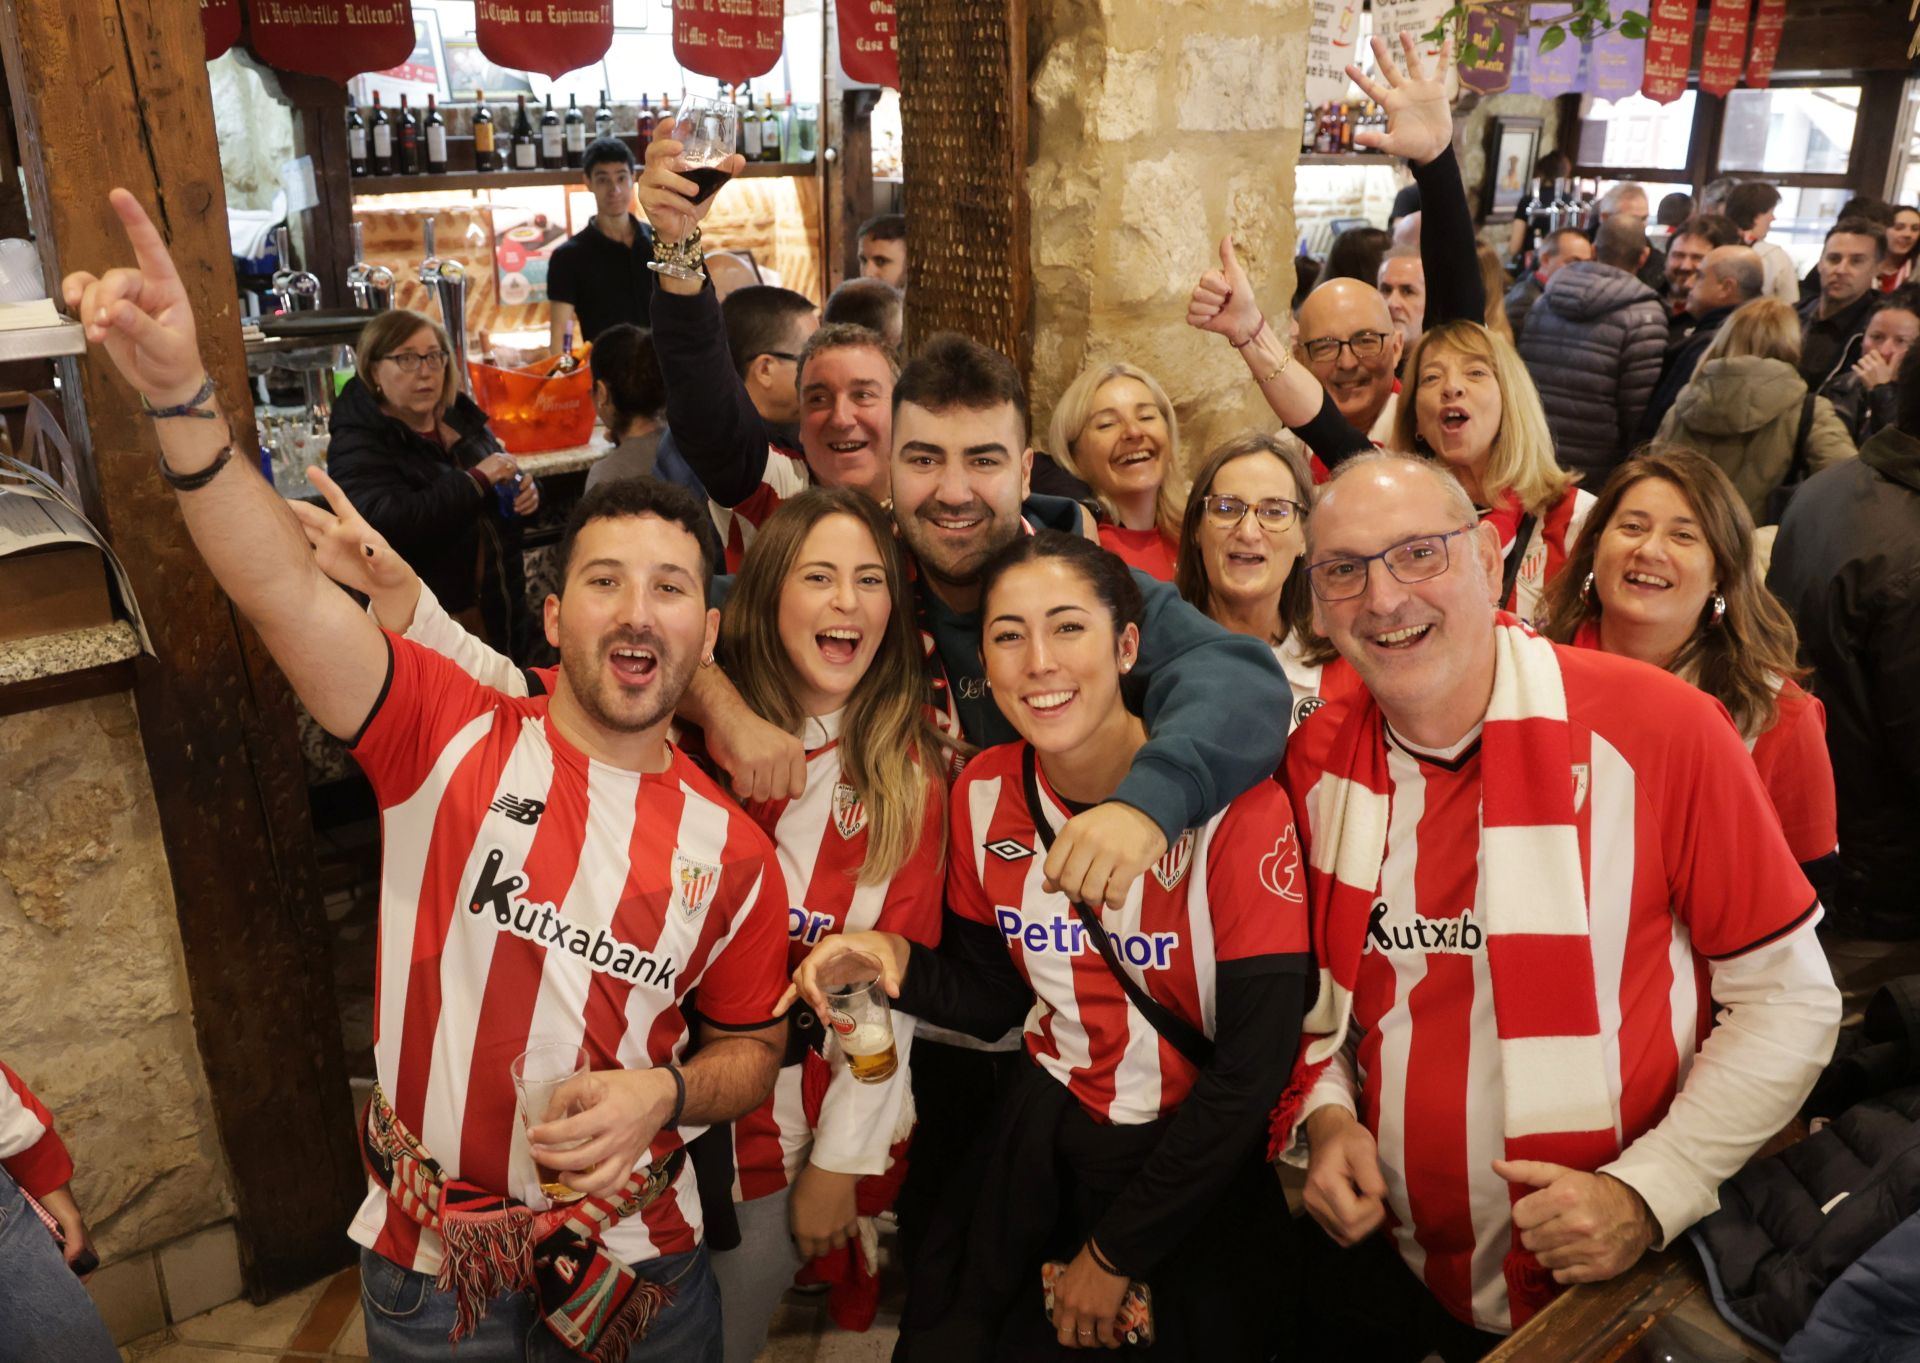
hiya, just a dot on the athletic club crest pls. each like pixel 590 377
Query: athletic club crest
pixel 1580 770
pixel 1172 865
pixel 849 811
pixel 695 881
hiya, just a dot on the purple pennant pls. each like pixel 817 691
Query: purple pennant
pixel 1615 65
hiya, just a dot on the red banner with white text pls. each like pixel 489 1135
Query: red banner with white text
pixel 1724 49
pixel 869 50
pixel 220 20
pixel 730 40
pixel 1769 19
pixel 337 39
pixel 552 37
pixel 1669 50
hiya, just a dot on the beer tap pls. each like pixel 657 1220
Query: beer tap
pixel 446 280
pixel 295 290
pixel 370 285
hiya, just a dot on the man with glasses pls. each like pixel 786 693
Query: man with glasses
pixel 1349 341
pixel 1569 978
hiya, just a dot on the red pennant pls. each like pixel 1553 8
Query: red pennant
pixel 1669 48
pixel 1724 50
pixel 533 35
pixel 869 48
pixel 221 21
pixel 730 40
pixel 337 39
pixel 1768 21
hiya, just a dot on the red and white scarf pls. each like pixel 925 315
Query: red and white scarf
pixel 1552 1061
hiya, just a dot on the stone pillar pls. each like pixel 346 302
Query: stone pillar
pixel 1156 129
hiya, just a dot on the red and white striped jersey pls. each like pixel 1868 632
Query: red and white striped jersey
pixel 1546 551
pixel 1230 890
pixel 30 1151
pixel 1314 685
pixel 530 895
pixel 1797 771
pixel 821 840
pixel 784 477
pixel 1683 864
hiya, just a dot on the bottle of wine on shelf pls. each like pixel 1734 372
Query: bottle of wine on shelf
pixel 435 130
pixel 484 155
pixel 575 132
pixel 552 140
pixel 356 140
pixel 769 132
pixel 750 130
pixel 790 134
pixel 526 153
pixel 644 124
pixel 381 161
pixel 406 142
pixel 603 117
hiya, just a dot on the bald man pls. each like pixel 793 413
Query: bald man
pixel 1349 340
pixel 1728 276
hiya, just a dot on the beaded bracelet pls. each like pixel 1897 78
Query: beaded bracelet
pixel 191 407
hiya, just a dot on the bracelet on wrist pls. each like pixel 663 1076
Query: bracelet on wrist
pixel 679 1096
pixel 1104 1264
pixel 1252 336
pixel 681 259
pixel 191 407
pixel 193 482
pixel 1286 358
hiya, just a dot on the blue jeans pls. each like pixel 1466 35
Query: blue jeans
pixel 409 1319
pixel 44 1311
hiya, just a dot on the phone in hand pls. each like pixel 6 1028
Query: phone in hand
pixel 1136 1308
pixel 86 1261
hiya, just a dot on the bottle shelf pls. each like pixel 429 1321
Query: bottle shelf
pixel 523 179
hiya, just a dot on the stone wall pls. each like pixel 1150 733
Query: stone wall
pixel 94 1013
pixel 1157 129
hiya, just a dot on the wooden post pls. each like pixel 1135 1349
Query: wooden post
pixel 856 172
pixel 109 94
pixel 320 131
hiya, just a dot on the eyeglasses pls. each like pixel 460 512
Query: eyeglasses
pixel 1410 561
pixel 1364 345
pixel 410 362
pixel 1274 513
pixel 780 355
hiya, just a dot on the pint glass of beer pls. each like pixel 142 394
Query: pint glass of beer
pixel 539 1075
pixel 859 1015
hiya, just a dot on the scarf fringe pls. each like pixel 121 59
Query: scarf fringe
pixel 487 1254
pixel 628 1325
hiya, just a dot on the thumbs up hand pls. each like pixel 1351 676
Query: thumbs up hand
pixel 1223 300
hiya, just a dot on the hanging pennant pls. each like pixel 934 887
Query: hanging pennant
pixel 220 19
pixel 1492 68
pixel 1724 49
pixel 1769 19
pixel 869 47
pixel 337 39
pixel 730 40
pixel 1668 50
pixel 1555 71
pixel 1394 17
pixel 552 37
pixel 1615 65
pixel 1330 49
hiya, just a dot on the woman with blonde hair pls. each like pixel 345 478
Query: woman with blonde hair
pixel 1664 571
pixel 1493 278
pixel 1115 430
pixel 1748 410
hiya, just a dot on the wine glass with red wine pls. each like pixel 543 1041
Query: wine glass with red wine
pixel 708 131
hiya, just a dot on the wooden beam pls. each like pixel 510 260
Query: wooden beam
pixel 856 172
pixel 114 92
pixel 320 131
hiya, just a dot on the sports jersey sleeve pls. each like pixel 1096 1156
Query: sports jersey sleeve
pixel 1734 881
pixel 749 974
pixel 1257 882
pixel 425 702
pixel 30 1151
pixel 1797 771
pixel 433 628
pixel 966 896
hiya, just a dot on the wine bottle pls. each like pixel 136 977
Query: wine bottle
pixel 406 148
pixel 382 159
pixel 603 117
pixel 769 132
pixel 750 132
pixel 526 155
pixel 644 124
pixel 356 140
pixel 789 134
pixel 575 132
pixel 568 361
pixel 436 139
pixel 484 156
pixel 552 140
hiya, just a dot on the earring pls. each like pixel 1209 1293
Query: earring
pixel 1719 610
pixel 1126 666
pixel 1586 591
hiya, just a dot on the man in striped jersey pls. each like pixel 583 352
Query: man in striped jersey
pixel 1514 1128
pixel 554 871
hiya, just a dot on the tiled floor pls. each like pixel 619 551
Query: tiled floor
pixel 322 1322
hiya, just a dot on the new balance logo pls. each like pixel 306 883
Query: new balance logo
pixel 1008 850
pixel 519 809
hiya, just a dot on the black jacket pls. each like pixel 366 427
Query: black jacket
pixel 1847 566
pixel 1676 370
pixel 1829 346
pixel 431 510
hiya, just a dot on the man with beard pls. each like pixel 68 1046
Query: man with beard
pixel 554 871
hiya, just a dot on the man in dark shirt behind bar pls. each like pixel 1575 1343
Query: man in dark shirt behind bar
pixel 600 276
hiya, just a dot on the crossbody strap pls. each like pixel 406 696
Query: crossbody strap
pixel 1182 1035
pixel 1522 537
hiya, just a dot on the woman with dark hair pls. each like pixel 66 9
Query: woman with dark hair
pixel 630 398
pixel 1903 247
pixel 1356 254
pixel 1240 541
pixel 414 454
pixel 1128 1154
pixel 1664 571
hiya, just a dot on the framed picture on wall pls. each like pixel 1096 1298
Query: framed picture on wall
pixel 1513 144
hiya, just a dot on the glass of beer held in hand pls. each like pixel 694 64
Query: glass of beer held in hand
pixel 544 1082
pixel 859 1016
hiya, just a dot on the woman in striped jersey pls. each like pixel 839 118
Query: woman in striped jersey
pixel 1129 1150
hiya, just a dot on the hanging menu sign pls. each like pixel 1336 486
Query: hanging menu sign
pixel 1330 49
pixel 1393 17
pixel 332 38
pixel 220 19
pixel 1769 18
pixel 1614 66
pixel 552 37
pixel 1724 49
pixel 1492 67
pixel 730 40
pixel 1669 48
pixel 1555 71
pixel 869 47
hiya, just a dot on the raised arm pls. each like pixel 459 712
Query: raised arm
pixel 713 421
pixel 335 657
